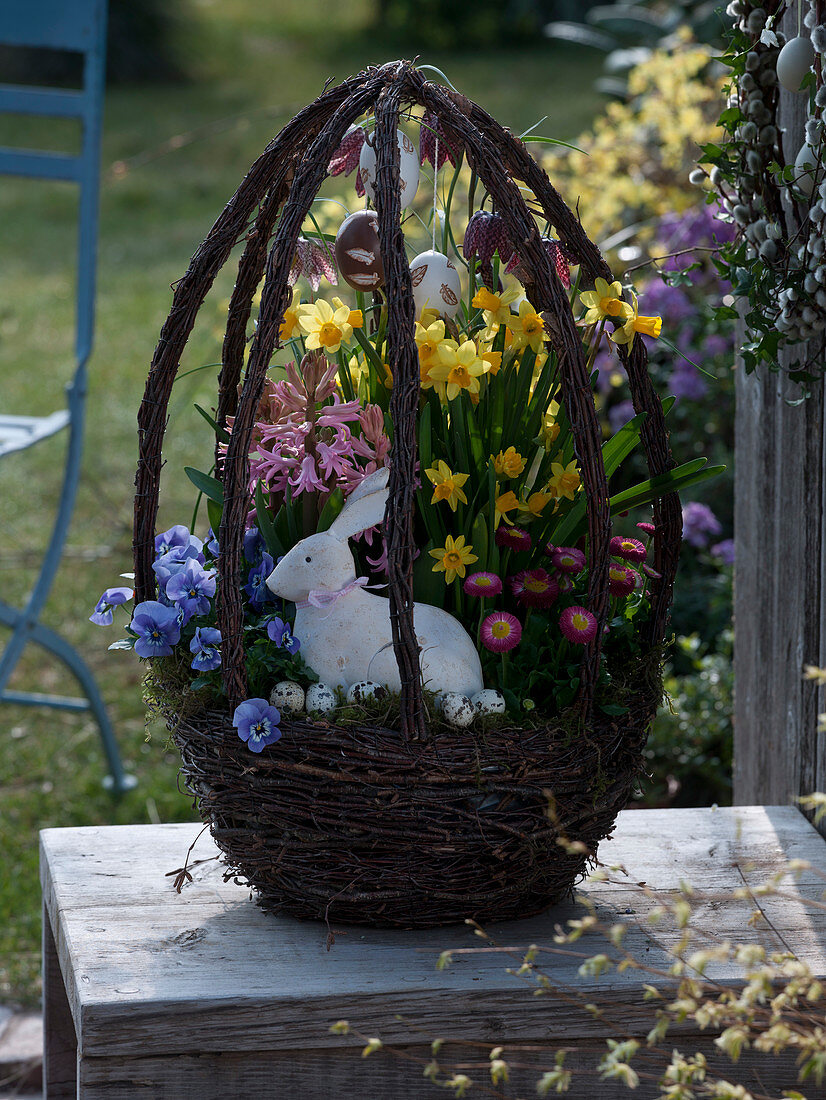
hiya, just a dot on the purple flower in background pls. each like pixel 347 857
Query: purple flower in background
pixel 177 536
pixel 256 586
pixel 669 302
pixel 610 371
pixel 205 647
pixel 619 415
pixel 156 627
pixel 699 524
pixel 724 551
pixel 257 723
pixel 192 588
pixel 687 382
pixel 174 561
pixel 281 634
pixel 112 597
pixel 717 344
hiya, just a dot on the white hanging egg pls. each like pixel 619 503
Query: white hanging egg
pixel 321 699
pixel 489 701
pixel 457 709
pixel 365 691
pixel 794 61
pixel 408 167
pixel 436 283
pixel 288 696
pixel 806 164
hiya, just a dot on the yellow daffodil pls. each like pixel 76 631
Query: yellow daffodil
pixel 550 427
pixel 648 326
pixel 447 485
pixel 604 301
pixel 497 306
pixel 528 328
pixel 504 503
pixel 355 318
pixel 325 328
pixel 290 322
pixel 452 558
pixel 428 341
pixel 564 480
pixel 509 463
pixel 458 368
pixel 493 360
pixel 531 508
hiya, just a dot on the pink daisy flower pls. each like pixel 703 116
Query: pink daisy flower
pixel 514 538
pixel 500 631
pixel 647 527
pixel 482 584
pixel 565 582
pixel 534 588
pixel 649 572
pixel 578 625
pixel 621 579
pixel 630 549
pixel 568 559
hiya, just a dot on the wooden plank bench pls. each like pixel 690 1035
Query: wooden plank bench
pixel 150 993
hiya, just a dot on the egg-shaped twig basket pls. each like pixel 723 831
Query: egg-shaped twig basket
pixel 415 826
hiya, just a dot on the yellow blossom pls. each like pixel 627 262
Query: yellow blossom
pixel 531 508
pixel 605 300
pixel 528 328
pixel 497 306
pixel 648 326
pixel 550 427
pixel 290 322
pixel 452 558
pixel 324 328
pixel 564 480
pixel 508 463
pixel 355 318
pixel 493 360
pixel 504 503
pixel 428 341
pixel 458 368
pixel 447 485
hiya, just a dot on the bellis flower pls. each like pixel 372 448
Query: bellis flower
pixel 568 559
pixel 534 588
pixel 500 632
pixel 629 549
pixel 578 625
pixel 482 584
pixel 157 628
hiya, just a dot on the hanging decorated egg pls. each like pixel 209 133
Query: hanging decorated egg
pixel 806 165
pixel 358 252
pixel 794 61
pixel 436 283
pixel 408 167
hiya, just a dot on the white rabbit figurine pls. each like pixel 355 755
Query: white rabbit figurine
pixel 344 631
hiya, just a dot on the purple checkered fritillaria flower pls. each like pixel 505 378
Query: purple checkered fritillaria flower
pixel 560 259
pixel 112 597
pixel 346 158
pixel 281 633
pixel 485 235
pixel 257 723
pixel 699 524
pixel 431 132
pixel 157 629
pixel 256 586
pixel 205 647
pixel 312 261
pixel 192 589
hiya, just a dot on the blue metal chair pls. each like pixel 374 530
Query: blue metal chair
pixel 78 26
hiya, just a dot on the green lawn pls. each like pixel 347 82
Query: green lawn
pixel 172 156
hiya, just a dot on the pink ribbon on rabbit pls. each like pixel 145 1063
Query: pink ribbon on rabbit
pixel 321 597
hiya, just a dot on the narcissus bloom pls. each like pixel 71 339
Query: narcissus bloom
pixel 447 485
pixel 325 328
pixel 452 558
pixel 648 326
pixel 290 323
pixel 458 368
pixel 578 625
pixel 604 301
pixel 564 480
pixel 528 328
pixel 500 632
pixel 482 584
pixel 497 306
pixel 355 317
pixel 509 463
pixel 504 503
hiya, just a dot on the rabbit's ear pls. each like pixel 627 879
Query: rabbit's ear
pixel 364 507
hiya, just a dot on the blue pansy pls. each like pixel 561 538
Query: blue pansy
pixel 256 586
pixel 192 588
pixel 282 635
pixel 257 723
pixel 174 561
pixel 205 647
pixel 156 627
pixel 177 537
pixel 254 546
pixel 112 597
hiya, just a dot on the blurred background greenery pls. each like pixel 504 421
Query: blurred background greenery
pixel 196 91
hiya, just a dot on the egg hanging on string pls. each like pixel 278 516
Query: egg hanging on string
pixel 806 167
pixel 408 167
pixel 436 283
pixel 794 62
pixel 358 252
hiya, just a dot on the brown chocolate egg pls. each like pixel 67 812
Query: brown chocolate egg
pixel 358 253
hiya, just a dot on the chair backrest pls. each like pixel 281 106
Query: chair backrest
pixel 78 26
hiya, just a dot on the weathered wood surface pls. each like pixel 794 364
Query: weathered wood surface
pixel 59 1040
pixel 779 590
pixel 167 989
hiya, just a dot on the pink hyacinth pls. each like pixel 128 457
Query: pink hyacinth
pixel 578 625
pixel 629 549
pixel 500 632
pixel 482 584
pixel 513 538
pixel 534 588
pixel 568 559
pixel 622 579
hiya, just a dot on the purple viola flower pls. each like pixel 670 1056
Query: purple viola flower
pixel 254 546
pixel 174 561
pixel 192 588
pixel 112 597
pixel 724 551
pixel 256 586
pixel 699 524
pixel 211 544
pixel 257 723
pixel 157 629
pixel 177 536
pixel 281 633
pixel 205 647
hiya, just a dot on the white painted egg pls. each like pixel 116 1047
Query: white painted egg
pixel 805 167
pixel 320 699
pixel 489 701
pixel 408 167
pixel 436 283
pixel 364 691
pixel 457 709
pixel 288 696
pixel 794 61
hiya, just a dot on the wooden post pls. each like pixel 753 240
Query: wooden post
pixel 780 568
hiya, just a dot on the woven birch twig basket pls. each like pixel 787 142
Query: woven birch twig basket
pixel 416 826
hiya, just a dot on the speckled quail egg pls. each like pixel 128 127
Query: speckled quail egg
pixel 457 709
pixel 320 699
pixel 794 61
pixel 288 697
pixel 365 691
pixel 489 701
